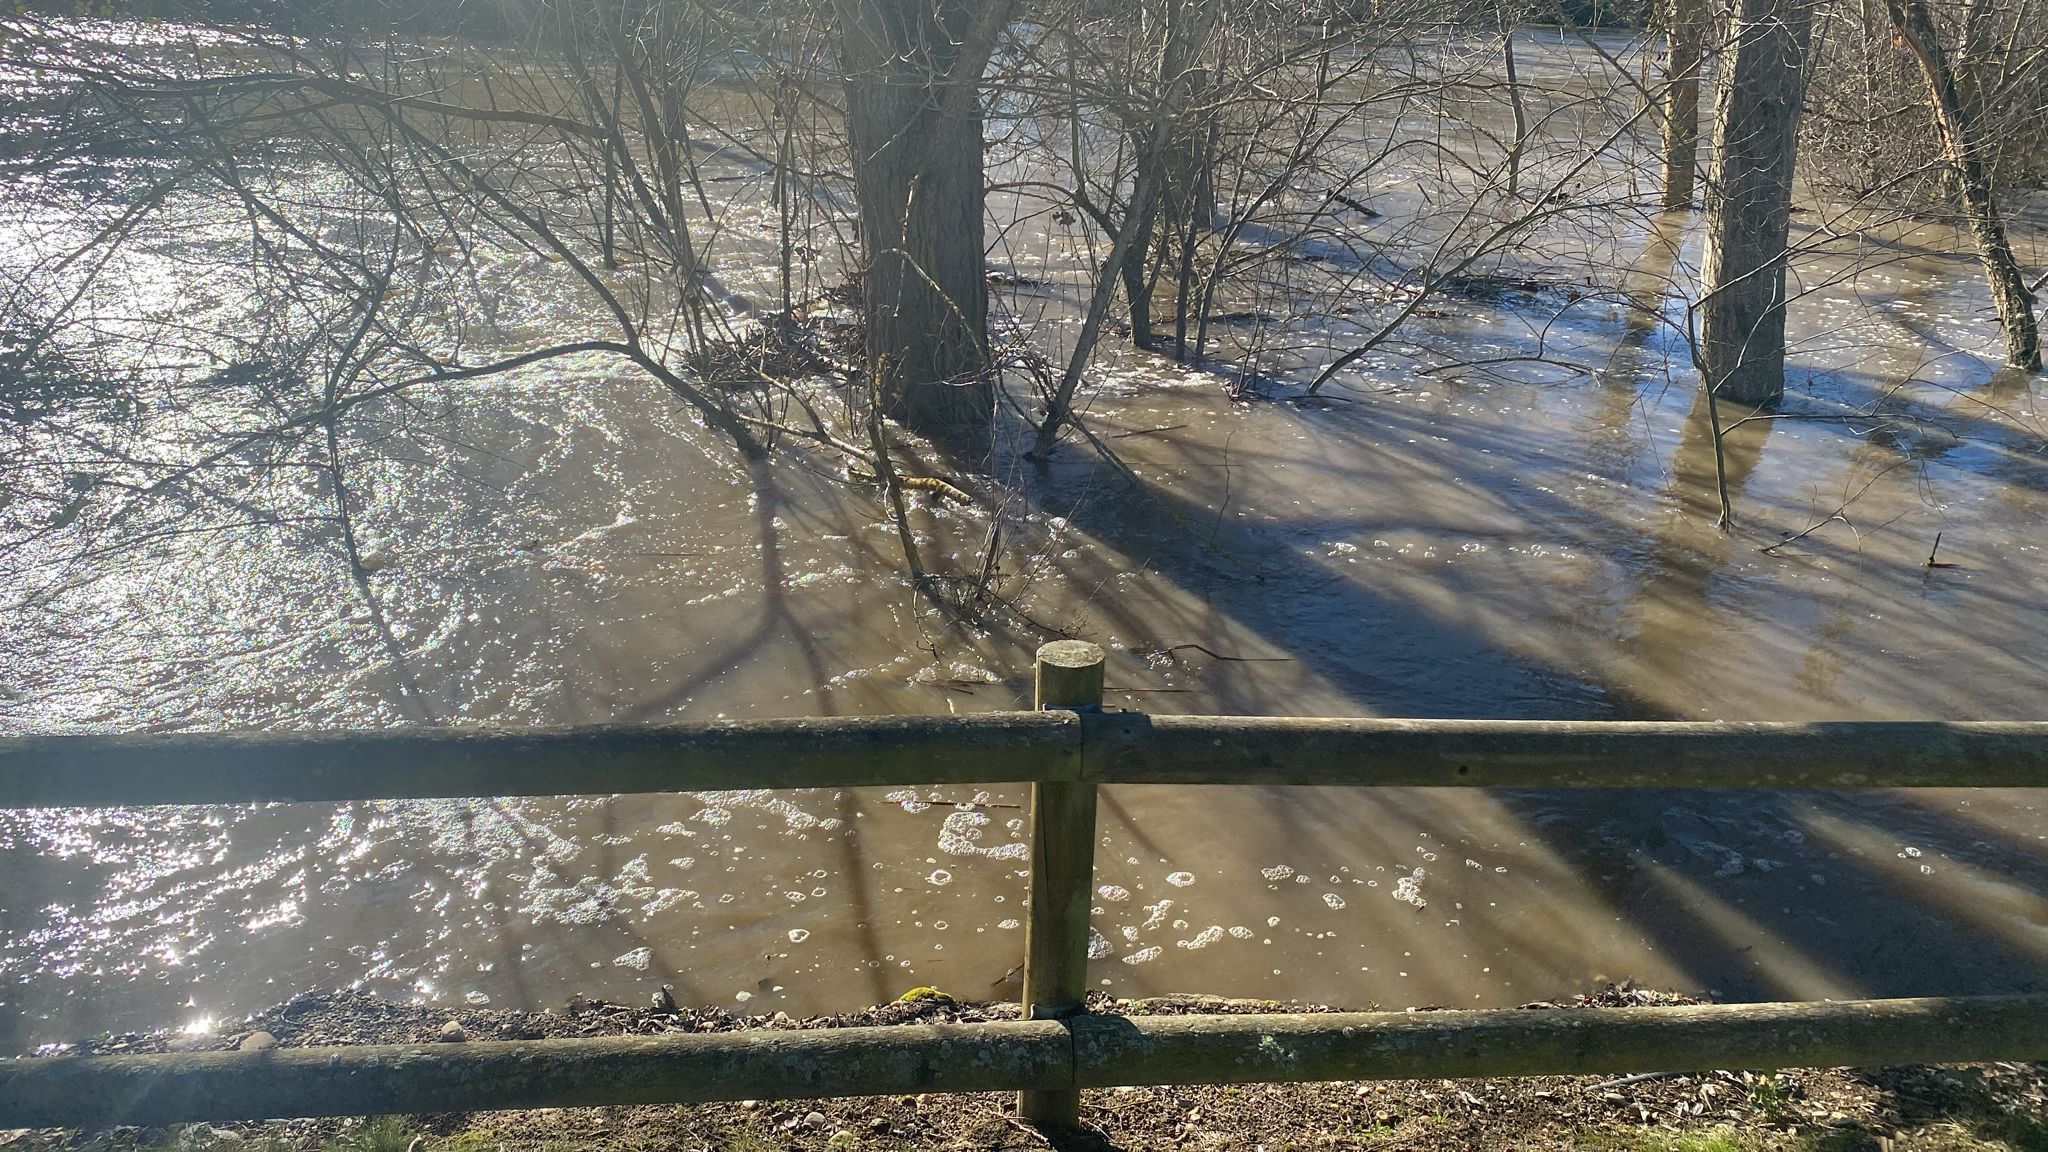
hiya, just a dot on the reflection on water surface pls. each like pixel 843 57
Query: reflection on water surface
pixel 566 547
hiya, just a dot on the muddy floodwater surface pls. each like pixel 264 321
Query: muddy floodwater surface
pixel 1531 534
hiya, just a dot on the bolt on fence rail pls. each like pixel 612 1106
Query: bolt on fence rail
pixel 1064 751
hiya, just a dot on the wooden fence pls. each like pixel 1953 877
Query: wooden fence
pixel 1064 751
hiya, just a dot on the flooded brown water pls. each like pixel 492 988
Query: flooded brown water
pixel 1512 540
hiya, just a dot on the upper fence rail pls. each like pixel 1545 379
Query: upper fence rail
pixel 1009 747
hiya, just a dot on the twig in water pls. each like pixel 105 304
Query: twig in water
pixel 1232 659
pixel 1935 551
pixel 990 547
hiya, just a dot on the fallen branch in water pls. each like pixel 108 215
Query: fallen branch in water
pixel 1834 515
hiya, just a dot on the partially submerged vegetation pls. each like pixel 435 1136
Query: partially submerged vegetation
pixel 381 212
pixel 273 270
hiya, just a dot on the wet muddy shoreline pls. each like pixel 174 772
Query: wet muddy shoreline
pixel 1945 1109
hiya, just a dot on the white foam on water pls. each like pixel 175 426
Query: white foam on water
pixel 961 832
pixel 907 798
pixel 1408 889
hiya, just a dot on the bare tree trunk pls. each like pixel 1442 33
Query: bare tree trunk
pixel 1061 407
pixel 1684 34
pixel 1758 96
pixel 1190 191
pixel 787 105
pixel 1507 20
pixel 609 227
pixel 1954 117
pixel 1873 93
pixel 1178 48
pixel 913 113
pixel 1189 200
pixel 1170 222
pixel 1136 262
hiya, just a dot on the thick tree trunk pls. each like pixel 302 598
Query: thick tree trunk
pixel 1684 34
pixel 1959 141
pixel 1761 87
pixel 913 116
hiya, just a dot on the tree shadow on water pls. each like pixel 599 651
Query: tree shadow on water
pixel 1743 894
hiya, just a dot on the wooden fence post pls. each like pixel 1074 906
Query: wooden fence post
pixel 1062 875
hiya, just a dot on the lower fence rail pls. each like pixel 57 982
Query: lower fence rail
pixel 1085 1051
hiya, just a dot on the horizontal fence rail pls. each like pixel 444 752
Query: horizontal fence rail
pixel 1041 1055
pixel 1063 752
pixel 1011 747
pixel 401 764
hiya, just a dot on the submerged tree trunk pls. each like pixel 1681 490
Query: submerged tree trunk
pixel 1685 31
pixel 1761 87
pixel 1183 39
pixel 1172 220
pixel 913 117
pixel 1959 140
pixel 1136 265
